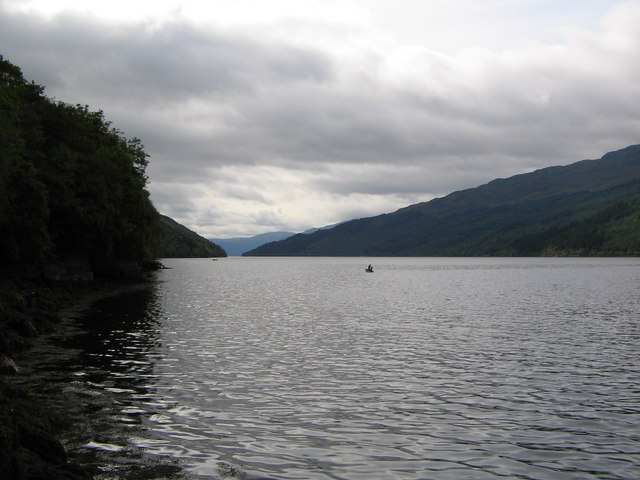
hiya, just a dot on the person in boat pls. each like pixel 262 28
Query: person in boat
pixel 369 268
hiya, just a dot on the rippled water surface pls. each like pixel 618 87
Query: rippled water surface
pixel 311 368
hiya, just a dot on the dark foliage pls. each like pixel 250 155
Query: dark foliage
pixel 614 231
pixel 71 186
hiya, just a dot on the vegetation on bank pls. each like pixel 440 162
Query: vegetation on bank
pixel 72 187
pixel 73 197
pixel 73 206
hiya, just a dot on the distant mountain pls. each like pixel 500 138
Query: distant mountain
pixel 594 202
pixel 177 241
pixel 239 245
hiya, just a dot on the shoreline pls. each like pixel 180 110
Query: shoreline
pixel 30 429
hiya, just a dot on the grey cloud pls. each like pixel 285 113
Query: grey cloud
pixel 203 100
pixel 260 102
pixel 450 173
pixel 174 198
pixel 235 189
pixel 143 63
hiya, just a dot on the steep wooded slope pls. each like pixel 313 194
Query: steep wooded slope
pixel 177 241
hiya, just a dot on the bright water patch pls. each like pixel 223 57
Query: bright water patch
pixel 310 368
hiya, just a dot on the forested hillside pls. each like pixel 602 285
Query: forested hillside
pixel 73 197
pixel 614 231
pixel 177 241
pixel 591 207
pixel 72 187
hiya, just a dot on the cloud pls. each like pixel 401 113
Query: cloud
pixel 293 122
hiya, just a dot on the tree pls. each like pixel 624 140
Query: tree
pixel 70 183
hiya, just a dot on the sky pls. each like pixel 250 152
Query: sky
pixel 282 115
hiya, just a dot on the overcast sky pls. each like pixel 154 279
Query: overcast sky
pixel 267 115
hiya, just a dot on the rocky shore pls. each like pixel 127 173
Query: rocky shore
pixel 30 448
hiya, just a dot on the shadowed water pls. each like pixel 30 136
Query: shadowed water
pixel 310 368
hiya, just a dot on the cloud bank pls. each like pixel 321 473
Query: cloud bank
pixel 288 123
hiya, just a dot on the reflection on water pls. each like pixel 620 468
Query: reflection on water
pixel 96 369
pixel 312 369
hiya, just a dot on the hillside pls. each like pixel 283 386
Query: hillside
pixel 177 241
pixel 528 214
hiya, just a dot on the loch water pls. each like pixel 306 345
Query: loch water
pixel 312 368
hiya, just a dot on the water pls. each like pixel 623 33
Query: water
pixel 311 368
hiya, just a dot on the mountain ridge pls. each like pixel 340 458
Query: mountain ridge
pixel 482 221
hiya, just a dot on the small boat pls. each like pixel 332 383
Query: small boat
pixel 369 269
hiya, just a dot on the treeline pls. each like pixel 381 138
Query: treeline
pixel 614 231
pixel 72 187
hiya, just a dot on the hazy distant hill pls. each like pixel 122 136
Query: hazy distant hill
pixel 177 241
pixel 239 245
pixel 591 207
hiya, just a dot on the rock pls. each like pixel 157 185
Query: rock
pixel 12 342
pixel 44 445
pixel 8 365
pixel 25 327
pixel 9 465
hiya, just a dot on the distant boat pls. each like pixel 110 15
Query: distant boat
pixel 369 269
